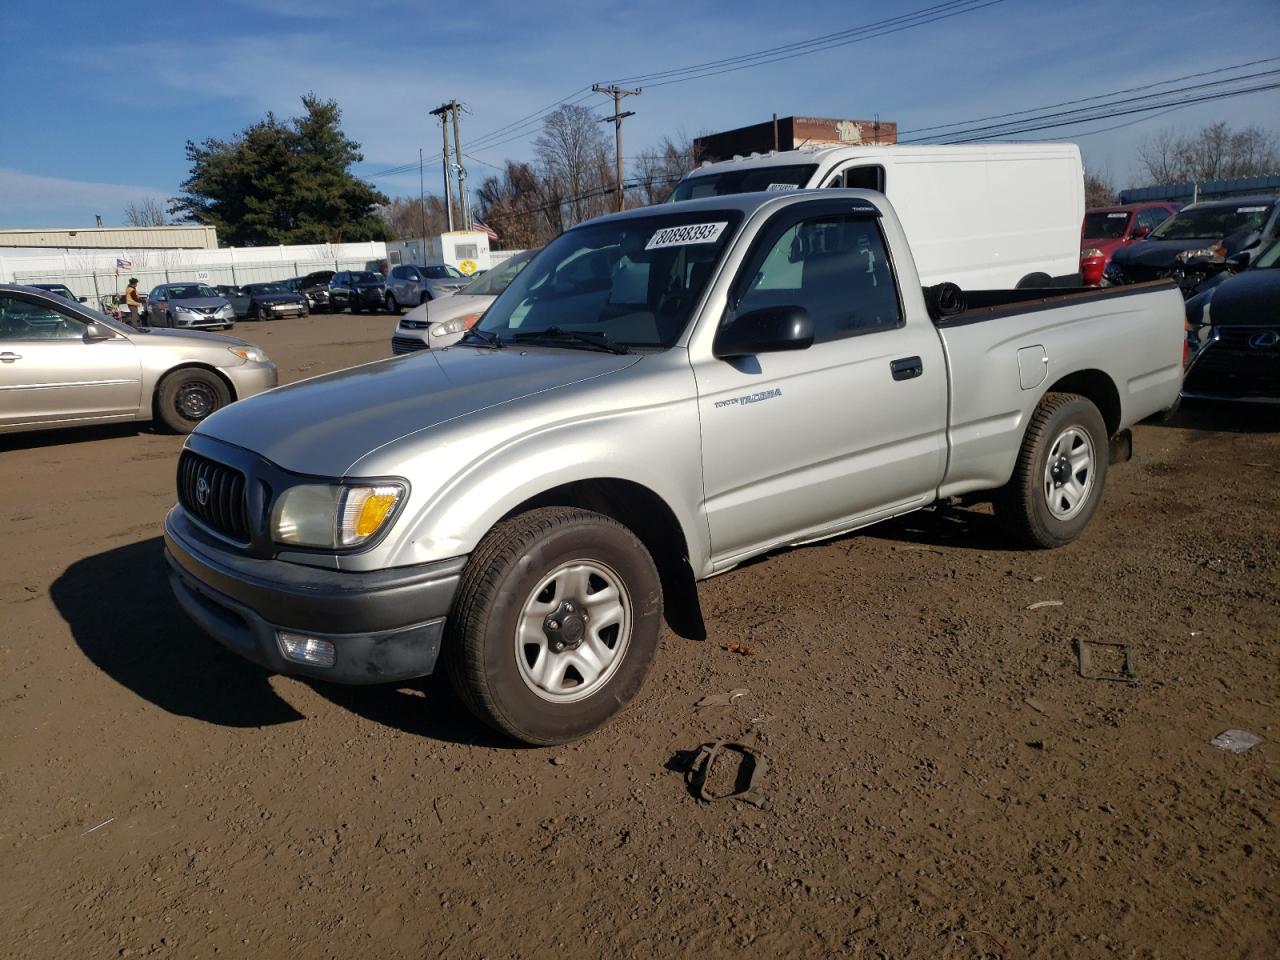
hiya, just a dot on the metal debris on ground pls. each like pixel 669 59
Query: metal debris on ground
pixel 1045 603
pixel 752 764
pixel 721 699
pixel 1088 650
pixel 1235 741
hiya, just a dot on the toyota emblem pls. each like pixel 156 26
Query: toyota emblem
pixel 1264 340
pixel 202 491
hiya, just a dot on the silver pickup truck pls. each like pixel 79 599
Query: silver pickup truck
pixel 659 396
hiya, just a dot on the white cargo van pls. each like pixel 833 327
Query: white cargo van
pixel 987 217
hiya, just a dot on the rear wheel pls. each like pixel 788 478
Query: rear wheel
pixel 392 306
pixel 189 395
pixel 555 624
pixel 1057 482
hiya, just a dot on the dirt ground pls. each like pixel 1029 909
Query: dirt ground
pixel 942 782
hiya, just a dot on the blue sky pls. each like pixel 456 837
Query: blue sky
pixel 98 99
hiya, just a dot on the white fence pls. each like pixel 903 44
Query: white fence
pixel 94 275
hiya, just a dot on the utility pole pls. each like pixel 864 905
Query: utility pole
pixel 440 111
pixel 422 204
pixel 464 208
pixel 618 116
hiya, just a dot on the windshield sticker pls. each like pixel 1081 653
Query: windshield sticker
pixel 1251 209
pixel 781 187
pixel 682 236
pixel 1113 216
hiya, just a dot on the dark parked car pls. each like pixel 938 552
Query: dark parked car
pixel 357 290
pixel 1233 334
pixel 315 287
pixel 188 305
pixel 270 301
pixel 1107 229
pixel 235 296
pixel 1192 245
pixel 61 290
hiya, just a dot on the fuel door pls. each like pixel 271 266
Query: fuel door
pixel 1033 366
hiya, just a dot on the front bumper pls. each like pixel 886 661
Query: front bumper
pixel 187 322
pixel 252 378
pixel 283 309
pixel 403 343
pixel 385 625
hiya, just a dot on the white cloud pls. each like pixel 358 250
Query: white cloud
pixel 29 197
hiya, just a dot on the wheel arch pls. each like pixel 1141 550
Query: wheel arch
pixel 647 515
pixel 1097 387
pixel 187 365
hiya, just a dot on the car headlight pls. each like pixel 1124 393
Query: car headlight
pixel 333 515
pixel 456 325
pixel 1091 252
pixel 181 309
pixel 249 354
pixel 1217 251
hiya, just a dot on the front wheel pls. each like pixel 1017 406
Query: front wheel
pixel 392 306
pixel 189 395
pixel 1058 479
pixel 554 625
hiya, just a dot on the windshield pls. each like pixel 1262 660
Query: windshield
pixel 498 279
pixel 634 281
pixel 746 180
pixel 267 288
pixel 188 291
pixel 1269 259
pixel 365 276
pixel 444 272
pixel 1105 226
pixel 1213 222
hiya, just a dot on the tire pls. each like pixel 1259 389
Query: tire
pixel 424 298
pixel 354 305
pixel 1035 280
pixel 392 306
pixel 1038 506
pixel 516 575
pixel 188 395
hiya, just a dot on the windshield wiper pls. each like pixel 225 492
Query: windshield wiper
pixel 594 338
pixel 485 336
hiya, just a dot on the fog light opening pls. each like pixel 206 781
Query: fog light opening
pixel 304 649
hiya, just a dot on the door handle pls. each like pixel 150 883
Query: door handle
pixel 908 368
pixel 8 357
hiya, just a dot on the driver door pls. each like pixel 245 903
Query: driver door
pixel 49 373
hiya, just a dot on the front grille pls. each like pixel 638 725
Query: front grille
pixel 1237 338
pixel 209 311
pixel 214 494
pixel 1226 371
pixel 406 344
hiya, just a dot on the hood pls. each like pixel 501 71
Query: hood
pixel 323 426
pixel 1251 298
pixel 447 284
pixel 277 297
pixel 200 303
pixel 166 337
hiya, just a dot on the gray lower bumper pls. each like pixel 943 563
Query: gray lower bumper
pixel 384 626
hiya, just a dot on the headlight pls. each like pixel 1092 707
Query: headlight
pixel 333 515
pixel 181 309
pixel 456 325
pixel 1217 251
pixel 1091 252
pixel 249 354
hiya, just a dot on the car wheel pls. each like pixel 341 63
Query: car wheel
pixel 1058 479
pixel 424 298
pixel 392 306
pixel 306 310
pixel 555 624
pixel 188 395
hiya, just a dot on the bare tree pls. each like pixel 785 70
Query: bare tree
pixel 145 213
pixel 1099 191
pixel 657 169
pixel 524 208
pixel 571 152
pixel 404 216
pixel 1214 152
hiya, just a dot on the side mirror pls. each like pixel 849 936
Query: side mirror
pixel 1237 262
pixel 94 332
pixel 83 299
pixel 768 330
pixel 1140 233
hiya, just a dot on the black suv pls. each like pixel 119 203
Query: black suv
pixel 315 287
pixel 357 290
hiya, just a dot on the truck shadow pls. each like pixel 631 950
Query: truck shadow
pixel 124 618
pixel 1223 417
pixel 945 526
pixel 35 439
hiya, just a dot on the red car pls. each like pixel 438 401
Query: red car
pixel 1107 229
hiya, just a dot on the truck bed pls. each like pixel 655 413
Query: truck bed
pixel 983 305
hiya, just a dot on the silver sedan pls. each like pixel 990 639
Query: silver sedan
pixel 63 364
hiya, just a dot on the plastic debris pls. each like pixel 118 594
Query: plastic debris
pixel 721 699
pixel 1235 741
pixel 1088 650
pixel 753 764
pixel 739 648
pixel 1045 603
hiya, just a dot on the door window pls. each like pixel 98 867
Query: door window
pixel 836 267
pixel 860 178
pixel 23 320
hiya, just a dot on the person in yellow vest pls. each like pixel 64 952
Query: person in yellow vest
pixel 132 302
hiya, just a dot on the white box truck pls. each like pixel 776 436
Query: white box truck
pixel 985 217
